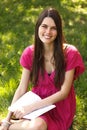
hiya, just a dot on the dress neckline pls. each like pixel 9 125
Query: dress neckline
pixel 49 74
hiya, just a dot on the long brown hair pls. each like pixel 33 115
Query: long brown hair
pixel 38 59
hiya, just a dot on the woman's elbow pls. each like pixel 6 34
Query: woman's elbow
pixel 64 95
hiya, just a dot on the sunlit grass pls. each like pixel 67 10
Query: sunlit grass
pixel 6 94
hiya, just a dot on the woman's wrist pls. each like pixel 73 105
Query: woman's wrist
pixel 6 123
pixel 8 116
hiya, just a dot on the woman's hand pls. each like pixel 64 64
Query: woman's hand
pixel 20 112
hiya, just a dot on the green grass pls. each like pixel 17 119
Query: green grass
pixel 17 20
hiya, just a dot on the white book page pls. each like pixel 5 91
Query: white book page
pixel 39 112
pixel 27 99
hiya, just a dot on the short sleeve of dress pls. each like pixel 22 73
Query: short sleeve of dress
pixel 26 57
pixel 74 60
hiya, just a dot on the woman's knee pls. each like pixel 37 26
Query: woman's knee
pixel 37 124
pixel 19 125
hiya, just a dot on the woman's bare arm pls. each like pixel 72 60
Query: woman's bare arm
pixel 22 88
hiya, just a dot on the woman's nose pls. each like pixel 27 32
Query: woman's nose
pixel 48 30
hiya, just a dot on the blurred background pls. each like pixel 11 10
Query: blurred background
pixel 17 21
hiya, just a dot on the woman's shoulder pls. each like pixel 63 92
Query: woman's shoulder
pixel 72 53
pixel 70 47
pixel 71 50
pixel 26 57
pixel 29 49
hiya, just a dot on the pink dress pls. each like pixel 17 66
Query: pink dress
pixel 61 117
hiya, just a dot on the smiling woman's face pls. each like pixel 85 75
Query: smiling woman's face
pixel 47 31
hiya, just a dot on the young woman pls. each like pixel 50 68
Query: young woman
pixel 52 66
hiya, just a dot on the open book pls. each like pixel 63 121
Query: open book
pixel 29 98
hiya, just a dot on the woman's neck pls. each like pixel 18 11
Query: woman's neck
pixel 48 49
pixel 48 55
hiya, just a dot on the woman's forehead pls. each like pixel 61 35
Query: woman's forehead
pixel 48 20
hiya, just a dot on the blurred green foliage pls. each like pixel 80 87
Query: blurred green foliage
pixel 17 20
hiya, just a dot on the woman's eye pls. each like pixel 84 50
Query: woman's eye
pixel 43 26
pixel 54 28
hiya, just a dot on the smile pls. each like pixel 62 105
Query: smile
pixel 47 37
